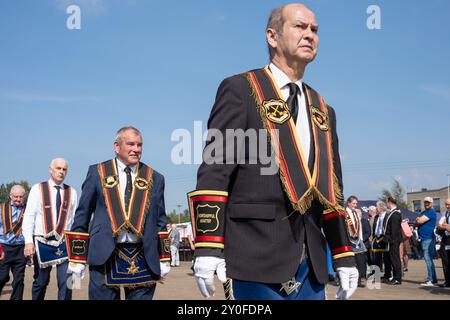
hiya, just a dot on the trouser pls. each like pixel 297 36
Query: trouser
pixel 99 291
pixel 445 255
pixel 175 256
pixel 378 259
pixel 15 262
pixel 309 288
pixel 393 264
pixel 428 247
pixel 41 282
pixel 361 264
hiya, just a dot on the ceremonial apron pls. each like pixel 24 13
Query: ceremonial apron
pixel 127 266
pixel 300 185
pixel 8 225
pixel 377 244
pixel 51 248
pixel 354 231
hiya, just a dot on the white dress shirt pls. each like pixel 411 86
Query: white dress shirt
pixel 442 221
pixel 380 224
pixel 302 126
pixel 125 236
pixel 33 219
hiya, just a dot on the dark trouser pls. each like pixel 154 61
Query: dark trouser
pixel 378 259
pixel 43 278
pixel 361 264
pixel 445 255
pixel 16 262
pixel 309 288
pixel 99 291
pixel 35 267
pixel 393 263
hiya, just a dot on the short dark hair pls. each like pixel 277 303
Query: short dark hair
pixel 351 198
pixel 391 200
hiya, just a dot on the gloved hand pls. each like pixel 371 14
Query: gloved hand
pixel 348 280
pixel 77 269
pixel 204 268
pixel 165 268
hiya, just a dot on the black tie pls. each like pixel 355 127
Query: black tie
pixel 58 201
pixel 128 188
pixel 292 100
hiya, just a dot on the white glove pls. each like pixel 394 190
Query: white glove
pixel 348 282
pixel 77 269
pixel 165 268
pixel 204 268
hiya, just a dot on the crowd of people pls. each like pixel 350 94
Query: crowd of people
pixel 385 240
pixel 263 232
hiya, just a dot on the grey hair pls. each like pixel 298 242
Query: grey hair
pixel 276 22
pixel 52 163
pixel 16 187
pixel 119 138
pixel 381 205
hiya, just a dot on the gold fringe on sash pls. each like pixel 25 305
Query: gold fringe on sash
pixel 305 201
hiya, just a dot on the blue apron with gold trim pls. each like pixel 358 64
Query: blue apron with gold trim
pixel 127 267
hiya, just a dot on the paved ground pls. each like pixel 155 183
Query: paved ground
pixel 180 285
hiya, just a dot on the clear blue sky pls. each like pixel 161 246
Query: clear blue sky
pixel 157 64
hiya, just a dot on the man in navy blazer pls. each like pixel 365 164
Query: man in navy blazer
pixel 126 198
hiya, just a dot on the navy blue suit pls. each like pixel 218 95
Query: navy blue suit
pixel 101 239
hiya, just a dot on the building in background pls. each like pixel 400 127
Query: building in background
pixel 415 199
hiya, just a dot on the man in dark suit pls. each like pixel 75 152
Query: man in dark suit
pixel 126 198
pixel 393 237
pixel 259 226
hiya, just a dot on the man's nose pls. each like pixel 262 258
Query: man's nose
pixel 308 33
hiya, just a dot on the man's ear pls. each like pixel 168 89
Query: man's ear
pixel 271 36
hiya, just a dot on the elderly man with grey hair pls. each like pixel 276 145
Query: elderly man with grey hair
pixel 13 242
pixel 50 209
pixel 379 226
pixel 261 232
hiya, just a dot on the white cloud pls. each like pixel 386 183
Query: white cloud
pixel 437 90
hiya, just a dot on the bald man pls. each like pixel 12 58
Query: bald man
pixel 13 242
pixel 49 213
pixel 260 229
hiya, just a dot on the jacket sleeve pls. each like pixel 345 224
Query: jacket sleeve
pixel 335 227
pixel 219 161
pixel 87 202
pixel 162 216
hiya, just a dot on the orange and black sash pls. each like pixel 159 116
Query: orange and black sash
pixel 300 185
pixel 7 220
pixel 139 202
pixel 47 209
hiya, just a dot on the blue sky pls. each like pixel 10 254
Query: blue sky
pixel 157 64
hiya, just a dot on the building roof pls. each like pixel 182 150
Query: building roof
pixel 425 191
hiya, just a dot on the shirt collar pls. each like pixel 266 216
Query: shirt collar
pixel 121 166
pixel 52 183
pixel 282 79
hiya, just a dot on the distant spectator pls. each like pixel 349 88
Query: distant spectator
pixel 174 246
pixel 393 236
pixel 378 246
pixel 443 230
pixel 355 231
pixel 426 223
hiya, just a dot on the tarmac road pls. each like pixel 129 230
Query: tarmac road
pixel 180 285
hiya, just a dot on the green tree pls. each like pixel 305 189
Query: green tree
pixel 174 217
pixel 397 192
pixel 5 189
